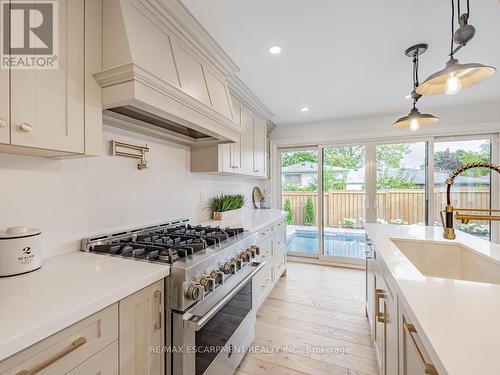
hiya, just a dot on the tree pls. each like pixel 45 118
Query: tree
pixel 446 160
pixel 296 157
pixel 289 216
pixel 309 215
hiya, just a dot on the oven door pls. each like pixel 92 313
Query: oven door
pixel 213 337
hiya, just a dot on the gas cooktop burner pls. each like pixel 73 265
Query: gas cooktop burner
pixel 166 245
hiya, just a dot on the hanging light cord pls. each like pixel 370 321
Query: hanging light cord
pixel 452 52
pixel 415 76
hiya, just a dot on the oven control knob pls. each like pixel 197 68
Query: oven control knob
pixel 208 283
pixel 255 250
pixel 218 276
pixel 238 262
pixel 229 268
pixel 245 256
pixel 194 291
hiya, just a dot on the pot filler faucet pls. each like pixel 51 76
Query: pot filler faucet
pixel 449 231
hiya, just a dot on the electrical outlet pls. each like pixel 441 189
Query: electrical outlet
pixel 203 196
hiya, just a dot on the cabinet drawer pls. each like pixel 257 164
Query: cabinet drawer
pixel 280 225
pixel 103 363
pixel 266 249
pixel 68 348
pixel 279 240
pixel 279 264
pixel 265 232
pixel 262 284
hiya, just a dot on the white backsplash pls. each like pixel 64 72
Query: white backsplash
pixel 74 198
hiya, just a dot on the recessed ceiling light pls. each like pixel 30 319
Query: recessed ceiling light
pixel 275 50
pixel 304 109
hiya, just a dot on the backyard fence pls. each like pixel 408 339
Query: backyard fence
pixel 406 205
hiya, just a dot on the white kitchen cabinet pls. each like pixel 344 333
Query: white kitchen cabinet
pixel 103 363
pixel 247 142
pixel 247 157
pixel 48 107
pixel 142 326
pixel 271 241
pixel 259 147
pixel 397 346
pixel 413 358
pixel 4 106
pixel 67 349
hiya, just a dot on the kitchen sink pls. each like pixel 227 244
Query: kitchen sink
pixel 449 260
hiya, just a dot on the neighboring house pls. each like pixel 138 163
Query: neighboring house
pixel 303 174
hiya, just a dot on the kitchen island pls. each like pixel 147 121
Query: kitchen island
pixel 452 322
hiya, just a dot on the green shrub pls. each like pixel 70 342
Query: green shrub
pixel 309 214
pixel 348 222
pixel 289 216
pixel 399 222
pixel 223 202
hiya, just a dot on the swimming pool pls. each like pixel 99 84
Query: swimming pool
pixel 337 243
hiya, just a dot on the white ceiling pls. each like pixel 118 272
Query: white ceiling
pixel 345 58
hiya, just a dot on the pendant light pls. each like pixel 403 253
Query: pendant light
pixel 455 76
pixel 415 120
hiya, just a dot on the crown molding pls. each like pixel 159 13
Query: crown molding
pixel 241 92
pixel 188 27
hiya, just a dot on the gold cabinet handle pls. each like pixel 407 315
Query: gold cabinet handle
pixel 3 122
pixel 379 293
pixel 25 127
pixel 71 348
pixel 160 307
pixel 429 367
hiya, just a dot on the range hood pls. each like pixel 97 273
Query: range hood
pixel 158 79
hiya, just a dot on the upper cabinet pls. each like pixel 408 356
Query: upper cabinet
pixel 44 108
pixel 247 157
pixel 4 106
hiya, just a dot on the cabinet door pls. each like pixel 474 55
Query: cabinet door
pixel 247 142
pixel 413 358
pixel 370 290
pixel 236 147
pixel 47 105
pixel 103 363
pixel 379 327
pixel 142 326
pixel 259 149
pixel 391 333
pixel 4 106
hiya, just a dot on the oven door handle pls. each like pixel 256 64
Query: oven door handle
pixel 197 322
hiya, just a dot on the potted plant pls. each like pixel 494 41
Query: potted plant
pixel 226 206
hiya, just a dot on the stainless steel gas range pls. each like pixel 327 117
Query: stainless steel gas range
pixel 210 318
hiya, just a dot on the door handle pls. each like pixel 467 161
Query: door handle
pixel 157 295
pixel 3 122
pixel 25 127
pixel 63 353
pixel 429 367
pixel 379 293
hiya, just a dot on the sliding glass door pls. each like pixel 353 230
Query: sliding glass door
pixel 344 203
pixel 471 189
pixel 299 198
pixel 402 183
pixel 392 182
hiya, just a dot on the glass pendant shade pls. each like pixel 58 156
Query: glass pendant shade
pixel 415 120
pixel 455 77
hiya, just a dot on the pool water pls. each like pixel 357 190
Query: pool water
pixel 340 244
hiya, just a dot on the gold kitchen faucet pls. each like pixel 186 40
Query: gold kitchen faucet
pixel 449 231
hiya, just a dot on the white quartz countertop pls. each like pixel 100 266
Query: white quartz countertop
pixel 251 220
pixel 458 320
pixel 65 290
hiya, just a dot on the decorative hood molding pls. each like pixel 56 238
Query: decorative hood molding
pixel 157 77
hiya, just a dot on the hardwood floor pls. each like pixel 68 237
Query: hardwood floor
pixel 313 322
